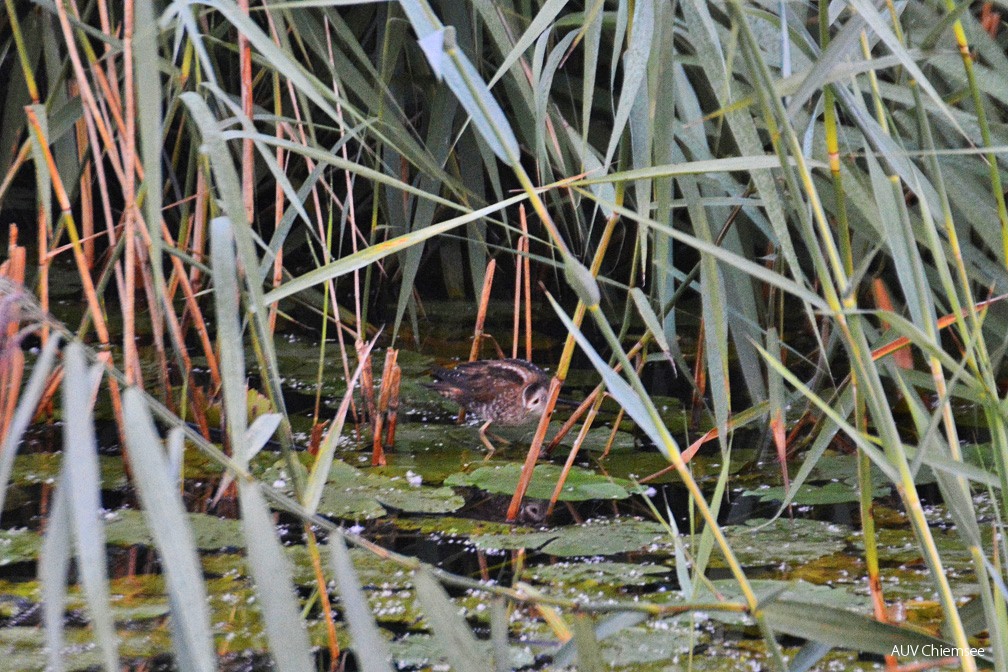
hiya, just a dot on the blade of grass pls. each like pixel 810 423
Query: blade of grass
pixel 53 572
pixel 81 477
pixel 451 633
pixel 166 519
pixel 270 568
pixel 370 648
pixel 843 628
pixel 229 335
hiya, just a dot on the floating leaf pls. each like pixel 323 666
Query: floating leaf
pixel 640 645
pixel 447 526
pixel 603 537
pixel 590 574
pixel 811 494
pixel 422 651
pixel 418 500
pixel 785 541
pixel 35 468
pixel 581 484
pixel 19 546
pixel 128 528
pixel 350 493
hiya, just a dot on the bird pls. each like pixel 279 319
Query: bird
pixel 505 391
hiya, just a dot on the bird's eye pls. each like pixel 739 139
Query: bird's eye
pixel 535 399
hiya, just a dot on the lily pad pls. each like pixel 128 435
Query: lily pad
pixel 640 645
pixel 833 466
pixel 210 533
pixel 299 360
pixel 35 468
pixel 21 545
pixel 456 527
pixel 598 437
pixel 619 535
pixel 416 500
pixel 581 484
pixel 350 503
pixel 788 542
pixel 508 542
pixel 422 651
pixel 810 494
pixel 591 574
pixel 350 493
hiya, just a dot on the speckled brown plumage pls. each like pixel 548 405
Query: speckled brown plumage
pixel 505 391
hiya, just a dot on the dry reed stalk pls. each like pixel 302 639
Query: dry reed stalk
pixel 594 398
pixel 481 562
pixel 366 379
pixel 699 377
pixel 277 280
pixel 195 313
pixel 322 589
pixel 612 434
pixel 15 166
pixel 198 248
pixel 247 101
pixel 97 125
pixel 45 406
pixel 11 357
pixel 198 404
pixel 534 451
pixel 478 334
pixel 593 402
pixel 377 443
pixel 43 268
pixel 517 301
pixel 393 406
pixel 519 268
pixel 112 103
pixel 127 301
pixel 528 289
pixel 193 310
pixel 575 449
pixel 135 257
pixel 315 437
pixel 86 197
pixel 278 206
pixel 107 28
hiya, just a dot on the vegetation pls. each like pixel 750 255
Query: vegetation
pixel 807 194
